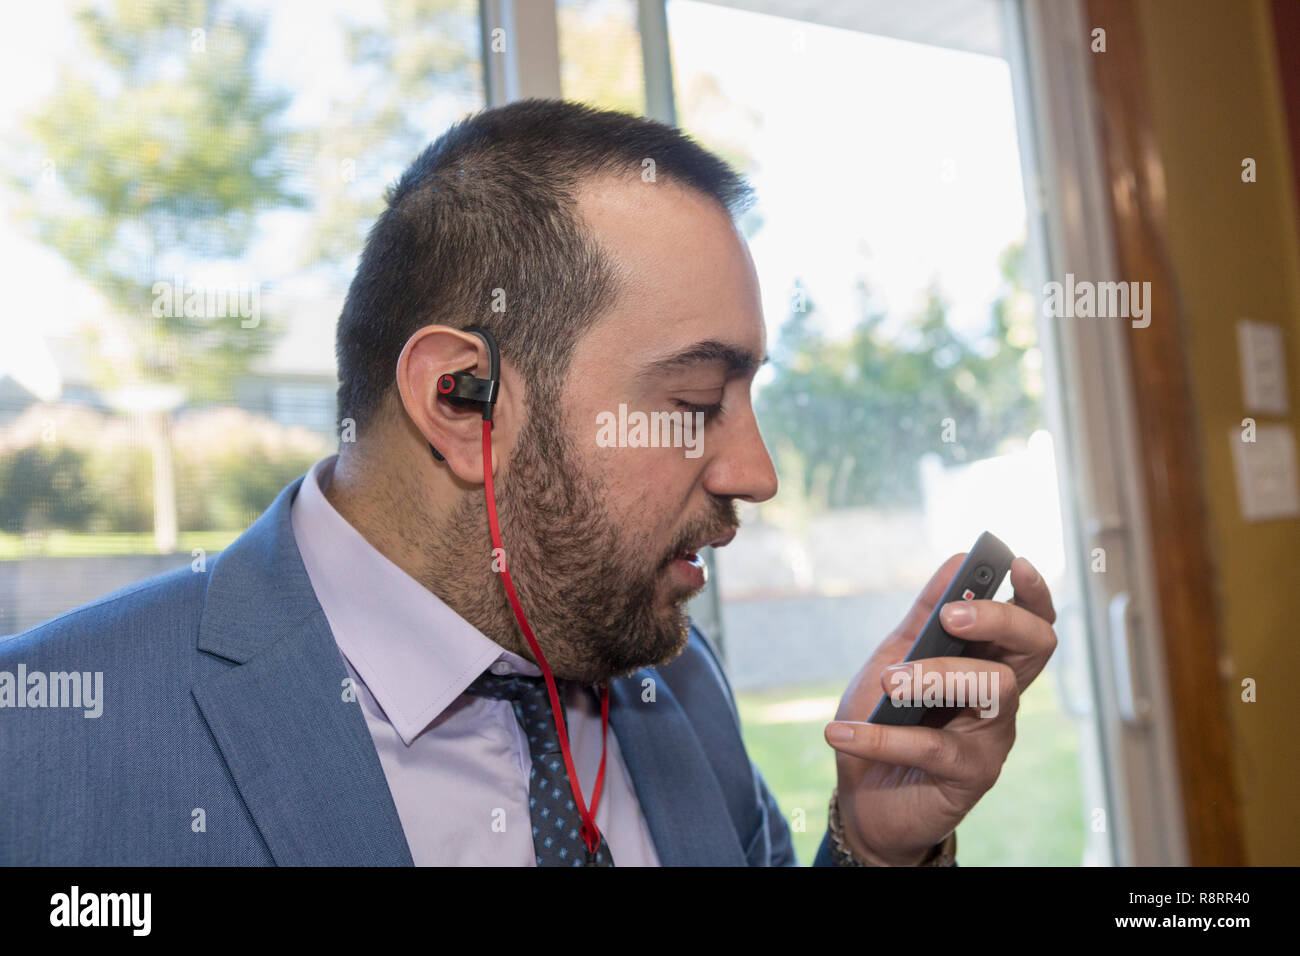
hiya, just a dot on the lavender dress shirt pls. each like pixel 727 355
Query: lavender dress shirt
pixel 457 765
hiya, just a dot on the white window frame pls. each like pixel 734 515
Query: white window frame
pixel 1096 407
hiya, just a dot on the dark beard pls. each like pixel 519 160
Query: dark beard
pixel 599 605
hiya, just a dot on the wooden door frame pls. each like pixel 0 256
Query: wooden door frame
pixel 1171 467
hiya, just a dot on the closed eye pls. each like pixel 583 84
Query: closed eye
pixel 710 412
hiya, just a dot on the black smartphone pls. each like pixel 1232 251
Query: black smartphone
pixel 978 579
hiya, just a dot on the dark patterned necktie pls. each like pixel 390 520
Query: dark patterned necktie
pixel 557 825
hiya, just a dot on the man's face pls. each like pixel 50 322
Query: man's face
pixel 611 534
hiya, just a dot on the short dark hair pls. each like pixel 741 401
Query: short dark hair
pixel 489 206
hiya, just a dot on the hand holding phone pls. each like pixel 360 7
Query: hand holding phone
pixel 978 578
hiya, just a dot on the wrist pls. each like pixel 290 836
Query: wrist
pixel 848 850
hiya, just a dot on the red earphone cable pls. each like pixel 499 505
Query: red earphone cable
pixel 590 833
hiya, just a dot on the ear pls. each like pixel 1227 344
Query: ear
pixel 457 432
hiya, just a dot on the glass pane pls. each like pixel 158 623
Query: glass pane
pixel 904 402
pixel 192 181
pixel 600 54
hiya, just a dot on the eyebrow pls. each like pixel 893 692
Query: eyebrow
pixel 708 352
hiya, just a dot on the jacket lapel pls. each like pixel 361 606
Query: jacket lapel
pixel 293 737
pixel 678 791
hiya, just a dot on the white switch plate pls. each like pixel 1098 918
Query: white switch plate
pixel 1267 482
pixel 1263 367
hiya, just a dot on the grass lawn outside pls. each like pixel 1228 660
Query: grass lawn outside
pixel 1034 814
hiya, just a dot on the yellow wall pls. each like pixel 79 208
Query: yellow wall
pixel 1215 98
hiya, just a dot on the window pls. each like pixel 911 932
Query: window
pixel 600 54
pixel 194 187
pixel 904 403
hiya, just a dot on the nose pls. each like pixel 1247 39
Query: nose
pixel 741 467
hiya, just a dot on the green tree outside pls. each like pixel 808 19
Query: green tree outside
pixel 160 149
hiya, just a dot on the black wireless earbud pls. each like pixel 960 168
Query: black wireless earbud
pixel 466 388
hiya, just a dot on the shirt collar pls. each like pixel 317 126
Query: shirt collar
pixel 414 653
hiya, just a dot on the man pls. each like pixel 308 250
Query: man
pixel 347 682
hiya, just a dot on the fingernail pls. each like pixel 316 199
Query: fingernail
pixel 839 733
pixel 957 614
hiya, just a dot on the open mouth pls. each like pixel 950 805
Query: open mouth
pixel 692 553
pixel 690 557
